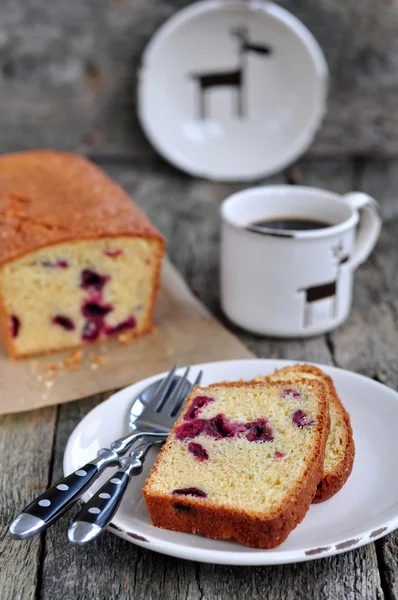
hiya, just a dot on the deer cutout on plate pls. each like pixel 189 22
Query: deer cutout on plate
pixel 234 78
pixel 315 293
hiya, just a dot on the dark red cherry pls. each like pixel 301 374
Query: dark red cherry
pixel 192 491
pixel 301 419
pixel 64 322
pixel 91 279
pixel 198 451
pixel 15 325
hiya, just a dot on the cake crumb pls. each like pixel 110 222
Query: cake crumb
pixel 49 384
pixel 94 366
pixel 100 359
pixel 74 359
pixel 125 338
pixel 53 368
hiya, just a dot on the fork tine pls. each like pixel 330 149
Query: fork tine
pixel 198 379
pixel 162 390
pixel 174 396
pixel 180 401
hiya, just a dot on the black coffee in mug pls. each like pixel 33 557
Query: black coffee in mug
pixel 291 223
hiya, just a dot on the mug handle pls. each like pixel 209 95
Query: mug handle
pixel 369 225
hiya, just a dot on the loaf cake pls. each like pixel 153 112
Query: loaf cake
pixel 340 449
pixel 243 461
pixel 79 262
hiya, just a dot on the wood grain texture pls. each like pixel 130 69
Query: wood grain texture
pixel 379 178
pixel 68 73
pixel 26 442
pixel 366 343
pixel 388 551
pixel 336 175
pixel 359 39
pixel 187 213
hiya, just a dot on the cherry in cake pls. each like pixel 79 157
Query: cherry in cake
pixel 243 461
pixel 79 262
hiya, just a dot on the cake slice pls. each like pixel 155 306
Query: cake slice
pixel 79 262
pixel 243 461
pixel 340 449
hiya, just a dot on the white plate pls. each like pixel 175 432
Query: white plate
pixel 363 511
pixel 283 93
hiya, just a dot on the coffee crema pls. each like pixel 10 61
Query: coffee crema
pixel 290 223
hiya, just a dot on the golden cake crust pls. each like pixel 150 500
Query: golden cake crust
pixel 89 204
pixel 331 482
pixel 190 515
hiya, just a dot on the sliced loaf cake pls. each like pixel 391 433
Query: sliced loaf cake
pixel 243 461
pixel 79 262
pixel 340 449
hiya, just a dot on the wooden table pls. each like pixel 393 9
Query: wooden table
pixel 32 444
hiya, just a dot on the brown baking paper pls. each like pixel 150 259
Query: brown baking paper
pixel 185 333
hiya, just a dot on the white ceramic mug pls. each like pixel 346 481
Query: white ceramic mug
pixel 293 283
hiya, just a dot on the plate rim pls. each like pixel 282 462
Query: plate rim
pixel 248 556
pixel 293 152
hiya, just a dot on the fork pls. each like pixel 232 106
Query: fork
pixel 96 515
pixel 51 505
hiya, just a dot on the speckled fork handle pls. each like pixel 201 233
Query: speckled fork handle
pixel 96 515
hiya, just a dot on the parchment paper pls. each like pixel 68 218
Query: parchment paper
pixel 185 333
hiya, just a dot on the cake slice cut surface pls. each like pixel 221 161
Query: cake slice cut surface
pixel 340 448
pixel 243 461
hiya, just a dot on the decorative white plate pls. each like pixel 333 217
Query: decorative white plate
pixel 363 511
pixel 232 90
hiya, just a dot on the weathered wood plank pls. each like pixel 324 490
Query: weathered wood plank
pixel 345 577
pixel 380 180
pixel 26 441
pixel 359 41
pixel 68 73
pixel 367 343
pixel 335 175
pixel 388 552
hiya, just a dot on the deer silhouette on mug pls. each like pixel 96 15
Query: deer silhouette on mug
pixel 326 290
pixel 234 78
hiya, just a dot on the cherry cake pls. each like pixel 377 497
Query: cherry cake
pixel 243 461
pixel 340 448
pixel 79 262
